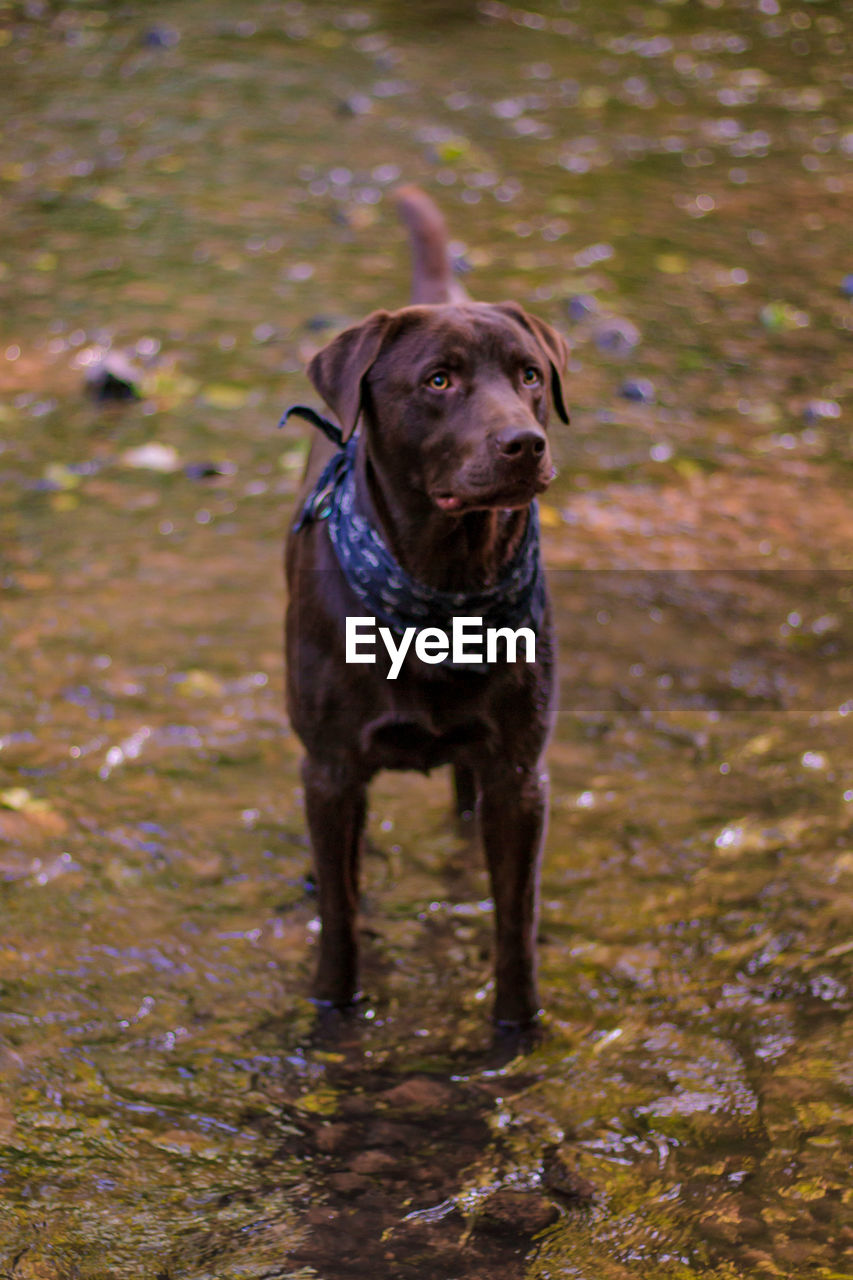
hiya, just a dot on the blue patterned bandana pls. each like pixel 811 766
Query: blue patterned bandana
pixel 387 592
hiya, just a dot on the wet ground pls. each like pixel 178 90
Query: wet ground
pixel 206 187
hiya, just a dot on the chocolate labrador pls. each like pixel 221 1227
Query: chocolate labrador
pixel 415 542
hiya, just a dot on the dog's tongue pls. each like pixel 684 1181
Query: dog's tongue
pixel 448 502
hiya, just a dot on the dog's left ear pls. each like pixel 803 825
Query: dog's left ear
pixel 554 347
pixel 338 371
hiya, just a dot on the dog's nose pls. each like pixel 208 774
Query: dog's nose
pixel 520 444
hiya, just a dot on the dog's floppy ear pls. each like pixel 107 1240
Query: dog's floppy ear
pixel 554 346
pixel 338 371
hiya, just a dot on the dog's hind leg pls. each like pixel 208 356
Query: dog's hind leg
pixel 464 792
pixel 336 807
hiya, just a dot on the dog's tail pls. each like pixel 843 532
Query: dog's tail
pixel 432 270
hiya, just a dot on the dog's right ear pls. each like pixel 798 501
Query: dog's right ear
pixel 338 371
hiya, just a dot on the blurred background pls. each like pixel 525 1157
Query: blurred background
pixel 195 198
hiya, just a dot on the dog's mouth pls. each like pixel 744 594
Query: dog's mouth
pixel 507 497
pixel 448 501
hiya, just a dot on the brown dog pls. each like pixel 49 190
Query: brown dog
pixel 435 522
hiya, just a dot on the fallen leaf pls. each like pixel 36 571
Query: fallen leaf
pixel 222 396
pixel 199 684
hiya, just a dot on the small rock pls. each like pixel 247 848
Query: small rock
pixel 320 1215
pixel 640 390
pixel 387 1134
pixel 161 37
pixel 617 336
pixel 48 198
pixel 152 457
pixel 29 1266
pixel 559 1176
pixel 373 1162
pixel 797 1253
pixel 357 104
pixel 460 264
pixel 112 377
pixel 316 324
pixel 580 305
pixel 348 1184
pixel 7 1122
pixel 11 1062
pixel 209 867
pixel 386 60
pixel 782 317
pixel 521 1213
pixel 758 1258
pixel 332 1138
pixel 206 470
pixel 419 1092
pixel 356 1105
pixel 816 410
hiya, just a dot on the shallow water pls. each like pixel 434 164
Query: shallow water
pixel 206 186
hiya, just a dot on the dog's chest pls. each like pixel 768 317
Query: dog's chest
pixel 394 743
pixel 426 724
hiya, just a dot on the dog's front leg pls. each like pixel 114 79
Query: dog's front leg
pixel 336 806
pixel 513 808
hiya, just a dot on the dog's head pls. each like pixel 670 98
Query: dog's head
pixel 454 399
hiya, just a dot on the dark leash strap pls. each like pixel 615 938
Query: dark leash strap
pixel 329 429
pixel 317 505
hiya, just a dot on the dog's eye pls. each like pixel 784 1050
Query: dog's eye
pixel 531 376
pixel 438 381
